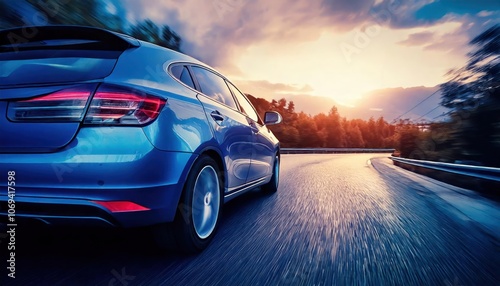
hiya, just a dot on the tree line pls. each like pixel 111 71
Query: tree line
pixel 471 133
pixel 85 13
pixel 301 130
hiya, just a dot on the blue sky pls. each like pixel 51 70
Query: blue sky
pixel 438 9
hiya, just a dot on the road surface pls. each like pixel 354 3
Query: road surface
pixel 350 219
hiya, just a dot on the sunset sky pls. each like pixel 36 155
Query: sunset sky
pixel 341 49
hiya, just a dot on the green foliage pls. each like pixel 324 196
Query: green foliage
pixel 90 13
pixel 335 132
pixel 408 137
pixel 308 131
pixel 478 82
pixel 148 31
pixel 301 130
pixel 354 138
pixel 8 17
pixel 78 12
pixel 472 133
pixel 473 94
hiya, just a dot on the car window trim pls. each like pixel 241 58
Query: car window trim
pixel 197 88
pixel 190 74
pixel 260 122
pixel 184 64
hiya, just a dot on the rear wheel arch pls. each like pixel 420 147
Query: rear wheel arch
pixel 212 153
pixel 199 210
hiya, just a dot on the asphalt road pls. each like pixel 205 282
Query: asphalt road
pixel 336 220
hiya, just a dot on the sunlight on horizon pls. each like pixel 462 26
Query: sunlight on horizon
pixel 383 63
pixel 342 50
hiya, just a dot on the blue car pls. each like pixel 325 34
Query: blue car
pixel 101 129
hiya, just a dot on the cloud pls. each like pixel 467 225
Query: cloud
pixel 269 90
pixel 404 14
pixel 218 31
pixel 418 39
pixel 281 87
pixel 475 16
pixel 485 13
pixel 456 41
pixel 298 41
pixel 436 10
pixel 452 34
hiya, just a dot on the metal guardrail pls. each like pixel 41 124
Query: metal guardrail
pixel 332 150
pixel 487 173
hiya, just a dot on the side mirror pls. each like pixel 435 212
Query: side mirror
pixel 272 117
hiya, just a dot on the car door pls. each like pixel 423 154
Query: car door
pixel 231 129
pixel 263 153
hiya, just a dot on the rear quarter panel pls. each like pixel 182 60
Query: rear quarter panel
pixel 182 125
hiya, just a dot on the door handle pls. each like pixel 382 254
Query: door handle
pixel 217 116
pixel 251 123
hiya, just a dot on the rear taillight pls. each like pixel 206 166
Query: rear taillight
pixel 66 105
pixel 110 105
pixel 116 106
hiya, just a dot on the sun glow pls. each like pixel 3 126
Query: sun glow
pixel 345 75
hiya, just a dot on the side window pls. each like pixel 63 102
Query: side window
pixel 182 74
pixel 246 106
pixel 214 86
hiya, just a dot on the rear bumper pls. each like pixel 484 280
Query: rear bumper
pixel 161 203
pixel 64 187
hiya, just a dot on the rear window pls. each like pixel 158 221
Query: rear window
pixel 55 66
pixel 182 74
pixel 214 86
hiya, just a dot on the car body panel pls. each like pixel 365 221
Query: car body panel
pixel 63 170
pixel 97 166
pixel 235 138
pixel 182 126
pixel 147 68
pixel 263 154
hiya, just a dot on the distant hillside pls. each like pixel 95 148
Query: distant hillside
pixel 389 103
pixel 393 102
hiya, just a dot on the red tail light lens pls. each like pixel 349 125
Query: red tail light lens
pixel 66 105
pixel 116 106
pixel 110 105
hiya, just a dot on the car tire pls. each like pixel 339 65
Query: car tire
pixel 273 185
pixel 199 210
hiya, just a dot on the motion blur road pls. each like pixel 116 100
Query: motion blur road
pixel 351 219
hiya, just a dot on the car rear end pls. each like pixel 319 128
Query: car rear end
pixel 75 144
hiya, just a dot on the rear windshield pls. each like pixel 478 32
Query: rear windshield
pixel 55 66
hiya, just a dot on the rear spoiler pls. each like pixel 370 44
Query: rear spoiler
pixel 78 37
